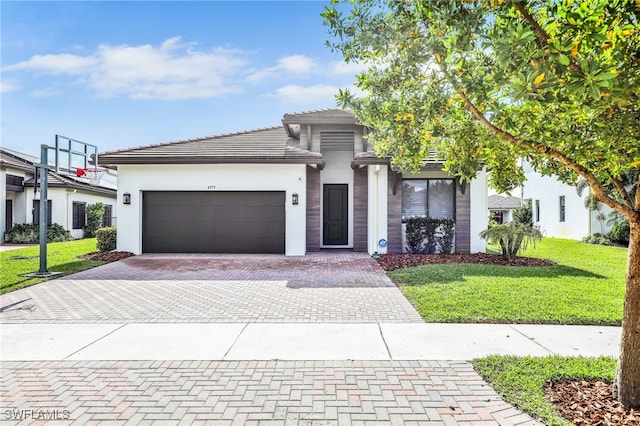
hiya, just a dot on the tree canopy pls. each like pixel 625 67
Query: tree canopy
pixel 491 82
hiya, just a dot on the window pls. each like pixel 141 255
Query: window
pixel 36 212
pixel 433 198
pixel 106 218
pixel 562 208
pixel 537 211
pixel 79 217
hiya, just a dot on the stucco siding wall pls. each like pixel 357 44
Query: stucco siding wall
pixel 378 203
pixel 135 179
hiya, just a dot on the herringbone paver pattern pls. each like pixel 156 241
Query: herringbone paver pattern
pixel 253 392
pixel 339 288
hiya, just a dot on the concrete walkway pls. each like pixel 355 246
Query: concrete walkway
pixel 325 339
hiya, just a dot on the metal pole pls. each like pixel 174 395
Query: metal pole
pixel 44 151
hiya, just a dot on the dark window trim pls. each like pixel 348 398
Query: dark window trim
pixel 537 210
pixel 108 215
pixel 35 214
pixel 563 208
pixel 455 194
pixel 79 217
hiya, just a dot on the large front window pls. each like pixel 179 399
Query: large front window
pixel 434 198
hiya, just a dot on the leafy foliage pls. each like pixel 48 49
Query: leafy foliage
pixel 512 237
pixel 29 233
pixel 524 214
pixel 428 235
pixel 95 213
pixel 106 239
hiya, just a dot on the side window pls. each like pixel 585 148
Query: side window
pixel 79 218
pixel 106 219
pixel 562 208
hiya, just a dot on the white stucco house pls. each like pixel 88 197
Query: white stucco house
pixel 67 196
pixel 309 184
pixel 558 210
pixel 501 207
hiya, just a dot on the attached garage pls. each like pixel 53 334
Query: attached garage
pixel 213 222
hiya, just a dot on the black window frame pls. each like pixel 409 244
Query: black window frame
pixel 428 180
pixel 79 215
pixel 107 217
pixel 35 213
pixel 562 201
pixel 537 210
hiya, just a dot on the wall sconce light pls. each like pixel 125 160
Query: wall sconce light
pixel 294 198
pixel 126 198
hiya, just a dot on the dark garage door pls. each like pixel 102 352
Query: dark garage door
pixel 213 222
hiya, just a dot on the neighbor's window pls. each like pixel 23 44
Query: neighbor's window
pixel 433 198
pixel 106 218
pixel 79 217
pixel 562 208
pixel 537 210
pixel 36 212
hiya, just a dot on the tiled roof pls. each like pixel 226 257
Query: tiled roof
pixel 500 202
pixel 255 146
pixel 321 116
pixel 10 158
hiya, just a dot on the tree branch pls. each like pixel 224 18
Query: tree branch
pixel 621 190
pixel 597 188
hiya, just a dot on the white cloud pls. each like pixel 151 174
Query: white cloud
pixel 8 86
pixel 296 65
pixel 320 94
pixel 342 68
pixel 174 70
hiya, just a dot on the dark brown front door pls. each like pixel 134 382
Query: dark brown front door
pixel 335 215
pixel 213 222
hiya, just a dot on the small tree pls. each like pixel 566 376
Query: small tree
pixel 95 213
pixel 524 214
pixel 512 237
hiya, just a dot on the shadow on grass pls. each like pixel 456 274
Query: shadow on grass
pixel 448 273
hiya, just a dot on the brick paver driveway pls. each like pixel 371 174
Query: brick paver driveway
pixel 335 287
pixel 344 287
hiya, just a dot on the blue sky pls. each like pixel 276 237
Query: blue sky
pixel 123 74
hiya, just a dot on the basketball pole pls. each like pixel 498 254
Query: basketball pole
pixel 44 180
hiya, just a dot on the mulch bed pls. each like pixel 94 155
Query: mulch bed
pixel 391 262
pixel 108 256
pixel 589 403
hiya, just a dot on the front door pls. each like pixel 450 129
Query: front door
pixel 335 215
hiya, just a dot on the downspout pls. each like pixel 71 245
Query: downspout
pixel 374 218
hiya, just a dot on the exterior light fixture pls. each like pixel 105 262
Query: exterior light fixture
pixel 294 198
pixel 126 198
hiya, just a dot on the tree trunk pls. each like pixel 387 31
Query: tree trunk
pixel 627 386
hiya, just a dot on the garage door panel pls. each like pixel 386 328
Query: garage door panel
pixel 213 222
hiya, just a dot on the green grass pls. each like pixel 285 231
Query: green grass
pixel 520 380
pixel 585 287
pixel 61 257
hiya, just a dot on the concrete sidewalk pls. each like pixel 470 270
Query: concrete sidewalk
pixel 298 341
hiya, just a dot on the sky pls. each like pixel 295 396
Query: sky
pixel 120 74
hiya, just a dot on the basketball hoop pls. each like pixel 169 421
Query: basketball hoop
pixel 94 175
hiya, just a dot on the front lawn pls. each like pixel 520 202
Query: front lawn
pixel 585 287
pixel 61 257
pixel 520 380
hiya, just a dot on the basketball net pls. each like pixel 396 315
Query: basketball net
pixel 94 175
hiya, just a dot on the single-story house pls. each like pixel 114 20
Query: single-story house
pixel 558 210
pixel 309 184
pixel 501 207
pixel 67 196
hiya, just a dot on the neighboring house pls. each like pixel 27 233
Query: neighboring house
pixel 311 184
pixel 67 196
pixel 558 210
pixel 501 207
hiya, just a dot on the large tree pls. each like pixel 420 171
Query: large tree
pixel 490 82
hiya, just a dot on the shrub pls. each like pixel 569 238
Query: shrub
pixel 524 214
pixel 106 239
pixel 597 238
pixel 512 237
pixel 29 233
pixel 427 235
pixel 95 212
pixel 620 232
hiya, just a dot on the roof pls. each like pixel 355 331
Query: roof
pixel 330 116
pixel 25 162
pixel 500 202
pixel 268 145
